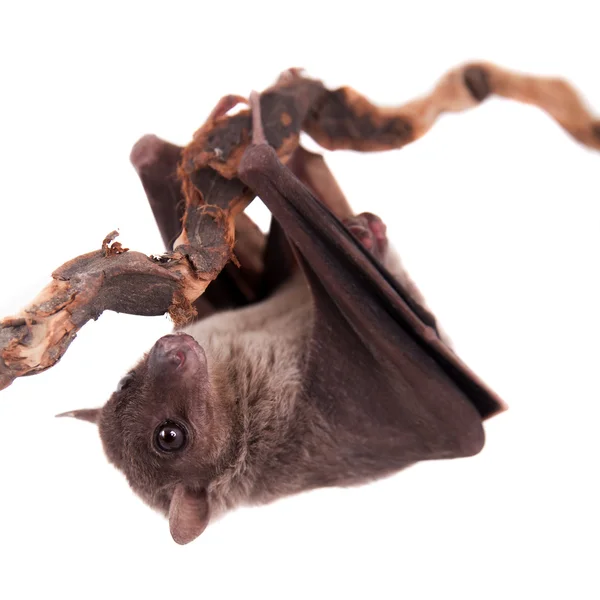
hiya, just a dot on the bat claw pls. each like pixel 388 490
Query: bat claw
pixel 362 234
pixel 370 231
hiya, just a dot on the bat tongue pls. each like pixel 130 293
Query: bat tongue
pixel 189 514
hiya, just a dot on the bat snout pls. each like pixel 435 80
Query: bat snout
pixel 177 352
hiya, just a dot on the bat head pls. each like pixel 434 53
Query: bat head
pixel 168 431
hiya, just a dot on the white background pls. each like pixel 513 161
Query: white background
pixel 495 213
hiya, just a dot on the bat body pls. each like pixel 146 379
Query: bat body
pixel 337 377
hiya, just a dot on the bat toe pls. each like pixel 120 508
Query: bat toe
pixel 370 231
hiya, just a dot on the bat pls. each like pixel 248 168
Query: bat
pixel 337 375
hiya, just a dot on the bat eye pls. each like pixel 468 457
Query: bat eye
pixel 170 436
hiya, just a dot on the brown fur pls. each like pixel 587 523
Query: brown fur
pixel 322 383
pixel 262 440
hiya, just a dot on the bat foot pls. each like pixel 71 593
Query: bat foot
pixel 224 105
pixel 370 231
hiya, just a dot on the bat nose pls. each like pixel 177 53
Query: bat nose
pixel 175 351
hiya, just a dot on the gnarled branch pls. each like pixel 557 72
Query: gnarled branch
pixel 198 200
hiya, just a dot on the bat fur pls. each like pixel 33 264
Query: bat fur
pixel 264 440
pixel 320 384
pixel 282 445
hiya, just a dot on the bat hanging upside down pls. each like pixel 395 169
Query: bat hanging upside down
pixel 337 377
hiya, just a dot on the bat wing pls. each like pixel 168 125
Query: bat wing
pixel 262 268
pixel 376 365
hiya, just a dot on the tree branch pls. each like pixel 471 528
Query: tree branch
pixel 198 200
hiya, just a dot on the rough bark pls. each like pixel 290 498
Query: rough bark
pixel 198 200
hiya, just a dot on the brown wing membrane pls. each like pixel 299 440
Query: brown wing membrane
pixel 156 161
pixel 312 170
pixel 363 310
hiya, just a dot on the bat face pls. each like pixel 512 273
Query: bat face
pixel 166 430
pixel 208 421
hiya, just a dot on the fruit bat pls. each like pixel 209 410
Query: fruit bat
pixel 337 376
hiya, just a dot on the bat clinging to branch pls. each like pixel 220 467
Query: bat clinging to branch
pixel 312 358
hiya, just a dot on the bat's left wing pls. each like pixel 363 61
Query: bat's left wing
pixel 377 367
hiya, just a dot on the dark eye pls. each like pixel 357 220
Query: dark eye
pixel 125 381
pixel 170 436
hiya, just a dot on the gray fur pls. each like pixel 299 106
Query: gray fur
pixel 255 358
pixel 258 433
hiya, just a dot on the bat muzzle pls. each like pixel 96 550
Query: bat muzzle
pixel 178 352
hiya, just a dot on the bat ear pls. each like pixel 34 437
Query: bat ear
pixel 85 414
pixel 189 514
